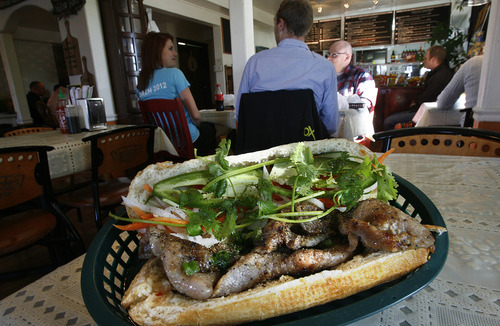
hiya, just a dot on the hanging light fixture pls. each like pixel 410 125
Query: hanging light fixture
pixel 472 3
pixel 346 5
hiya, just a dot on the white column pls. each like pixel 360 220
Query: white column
pixel 242 37
pixel 488 102
pixel 218 58
pixel 14 78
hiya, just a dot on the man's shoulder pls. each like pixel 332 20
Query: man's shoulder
pixel 358 71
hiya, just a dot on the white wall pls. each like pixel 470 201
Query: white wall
pixel 36 61
pixel 85 26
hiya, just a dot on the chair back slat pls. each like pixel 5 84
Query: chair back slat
pixel 21 175
pixel 122 152
pixel 170 116
pixel 441 141
pixel 27 130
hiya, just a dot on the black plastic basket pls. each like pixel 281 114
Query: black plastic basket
pixel 111 263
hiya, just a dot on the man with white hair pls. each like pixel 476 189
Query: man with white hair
pixel 353 80
pixel 350 78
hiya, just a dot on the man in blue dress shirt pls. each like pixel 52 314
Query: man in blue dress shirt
pixel 291 65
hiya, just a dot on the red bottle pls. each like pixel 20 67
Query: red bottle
pixel 219 99
pixel 61 114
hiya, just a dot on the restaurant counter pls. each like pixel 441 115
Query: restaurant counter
pixel 466 291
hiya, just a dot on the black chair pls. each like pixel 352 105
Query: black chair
pixel 116 157
pixel 441 140
pixel 29 213
pixel 271 118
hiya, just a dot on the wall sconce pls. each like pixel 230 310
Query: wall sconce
pixel 320 9
pixel 346 5
pixel 375 2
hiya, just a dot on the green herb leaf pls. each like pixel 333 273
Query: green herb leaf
pixel 221 152
pixel 191 197
pixel 229 224
pixel 386 184
pixel 223 259
pixel 191 268
pixel 205 218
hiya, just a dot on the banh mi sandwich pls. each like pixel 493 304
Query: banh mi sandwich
pixel 232 239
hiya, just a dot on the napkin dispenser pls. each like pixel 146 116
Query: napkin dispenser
pixel 92 114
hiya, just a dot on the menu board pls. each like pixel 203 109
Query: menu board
pixel 313 35
pixel 416 25
pixel 369 29
pixel 329 30
pixel 323 34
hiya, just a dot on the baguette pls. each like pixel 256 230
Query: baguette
pixel 152 300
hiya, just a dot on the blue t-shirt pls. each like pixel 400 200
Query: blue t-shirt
pixel 168 83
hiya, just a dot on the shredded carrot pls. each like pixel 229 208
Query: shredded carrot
pixel 132 226
pixel 168 220
pixel 147 188
pixel 147 216
pixel 384 156
pixel 138 211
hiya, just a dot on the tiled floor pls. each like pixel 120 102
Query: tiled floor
pixel 39 255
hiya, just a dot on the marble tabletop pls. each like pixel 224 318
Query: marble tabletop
pixel 466 292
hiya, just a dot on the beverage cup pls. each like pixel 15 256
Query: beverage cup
pixel 73 118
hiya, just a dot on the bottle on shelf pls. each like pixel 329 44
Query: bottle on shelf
pixel 393 56
pixel 61 113
pixel 420 55
pixel 219 99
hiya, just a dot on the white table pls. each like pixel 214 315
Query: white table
pixel 466 292
pixel 226 118
pixel 71 154
pixel 429 115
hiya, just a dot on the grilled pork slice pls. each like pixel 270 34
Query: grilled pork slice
pixel 173 252
pixel 381 226
pixel 256 268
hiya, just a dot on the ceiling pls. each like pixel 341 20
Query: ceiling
pixel 335 8
pixel 34 17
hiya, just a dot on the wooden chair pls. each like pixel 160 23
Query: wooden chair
pixel 273 118
pixel 169 115
pixel 62 184
pixel 29 214
pixel 441 140
pixel 26 130
pixel 116 157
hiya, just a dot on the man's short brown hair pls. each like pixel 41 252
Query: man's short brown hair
pixel 297 14
pixel 438 52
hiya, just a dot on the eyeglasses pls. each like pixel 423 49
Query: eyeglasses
pixel 335 54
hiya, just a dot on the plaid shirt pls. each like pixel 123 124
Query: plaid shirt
pixel 356 80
